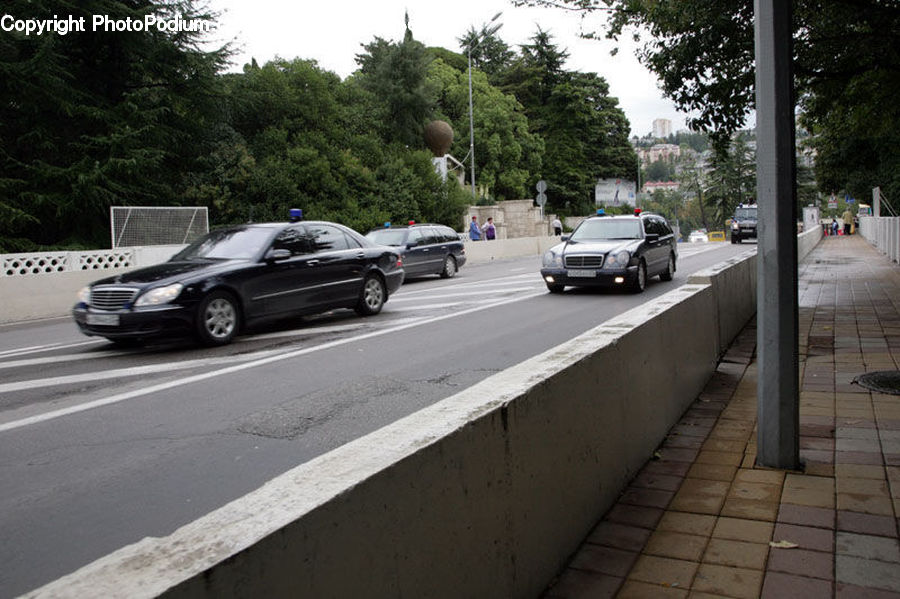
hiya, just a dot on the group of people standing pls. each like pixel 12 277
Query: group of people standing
pixel 489 231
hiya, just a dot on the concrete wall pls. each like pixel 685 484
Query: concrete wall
pixel 513 219
pixel 484 494
pixel 32 297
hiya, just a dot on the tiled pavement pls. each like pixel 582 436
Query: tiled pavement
pixel 701 521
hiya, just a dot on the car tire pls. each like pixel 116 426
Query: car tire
pixel 555 287
pixel 669 272
pixel 449 270
pixel 218 318
pixel 372 296
pixel 640 281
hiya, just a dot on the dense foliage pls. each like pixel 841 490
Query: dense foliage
pixel 91 120
pixel 846 59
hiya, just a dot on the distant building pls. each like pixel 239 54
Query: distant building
pixel 666 152
pixel 651 186
pixel 662 128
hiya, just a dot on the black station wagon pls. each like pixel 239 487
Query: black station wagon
pixel 612 251
pixel 426 249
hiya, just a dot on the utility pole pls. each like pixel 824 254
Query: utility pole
pixel 778 387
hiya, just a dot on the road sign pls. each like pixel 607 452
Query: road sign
pixel 541 198
pixel 541 186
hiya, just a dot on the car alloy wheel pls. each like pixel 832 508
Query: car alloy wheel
pixel 372 297
pixel 449 268
pixel 640 281
pixel 217 318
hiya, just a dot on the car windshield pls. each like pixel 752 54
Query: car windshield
pixel 393 237
pixel 227 244
pixel 607 228
pixel 745 213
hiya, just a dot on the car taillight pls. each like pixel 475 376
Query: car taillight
pixel 399 262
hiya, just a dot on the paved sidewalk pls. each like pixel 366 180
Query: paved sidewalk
pixel 700 521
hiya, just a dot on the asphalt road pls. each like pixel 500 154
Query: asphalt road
pixel 101 446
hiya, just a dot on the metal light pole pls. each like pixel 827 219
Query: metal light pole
pixel 485 31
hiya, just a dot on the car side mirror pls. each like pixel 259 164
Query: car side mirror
pixel 652 237
pixel 564 237
pixel 277 255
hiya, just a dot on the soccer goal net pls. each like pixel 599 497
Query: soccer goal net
pixel 154 225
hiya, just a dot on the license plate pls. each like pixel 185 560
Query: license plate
pixel 576 272
pixel 103 320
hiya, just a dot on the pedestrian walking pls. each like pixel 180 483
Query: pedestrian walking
pixel 834 226
pixel 474 229
pixel 557 227
pixel 847 217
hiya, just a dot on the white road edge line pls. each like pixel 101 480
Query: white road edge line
pixel 15 424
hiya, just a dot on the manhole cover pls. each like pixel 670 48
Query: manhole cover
pixel 883 381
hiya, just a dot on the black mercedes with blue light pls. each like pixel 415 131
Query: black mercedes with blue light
pixel 612 251
pixel 240 276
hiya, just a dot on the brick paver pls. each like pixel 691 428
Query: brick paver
pixel 703 521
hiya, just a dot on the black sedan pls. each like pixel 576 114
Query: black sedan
pixel 612 251
pixel 426 249
pixel 240 276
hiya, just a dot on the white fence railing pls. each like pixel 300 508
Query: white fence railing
pixel 882 232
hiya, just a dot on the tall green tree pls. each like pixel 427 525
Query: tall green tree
pixel 397 73
pixel 584 129
pixel 508 155
pixel 92 119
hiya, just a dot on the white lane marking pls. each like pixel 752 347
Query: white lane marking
pixel 439 295
pixel 128 372
pixel 52 415
pixel 42 348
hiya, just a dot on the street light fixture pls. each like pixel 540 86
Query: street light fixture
pixel 486 31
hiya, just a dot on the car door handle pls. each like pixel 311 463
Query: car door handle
pixel 361 255
pixel 312 262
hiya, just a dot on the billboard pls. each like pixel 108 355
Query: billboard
pixel 614 192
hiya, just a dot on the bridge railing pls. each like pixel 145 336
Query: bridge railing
pixel 882 232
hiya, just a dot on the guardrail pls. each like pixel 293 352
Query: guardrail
pixel 882 232
pixel 484 494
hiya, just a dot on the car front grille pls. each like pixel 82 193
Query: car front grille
pixel 112 298
pixel 592 261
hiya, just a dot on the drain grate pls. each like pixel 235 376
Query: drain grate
pixel 883 381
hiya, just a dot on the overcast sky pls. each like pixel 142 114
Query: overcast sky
pixel 331 33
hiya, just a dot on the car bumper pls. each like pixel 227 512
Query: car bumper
pixel 134 324
pixel 394 280
pixel 599 278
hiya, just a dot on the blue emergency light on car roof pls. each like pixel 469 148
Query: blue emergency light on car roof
pixel 296 214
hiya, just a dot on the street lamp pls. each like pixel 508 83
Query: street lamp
pixel 486 31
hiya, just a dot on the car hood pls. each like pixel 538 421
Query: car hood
pixel 599 247
pixel 170 272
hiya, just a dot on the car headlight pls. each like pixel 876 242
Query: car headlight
pixel 84 295
pixel 618 260
pixel 159 295
pixel 552 260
